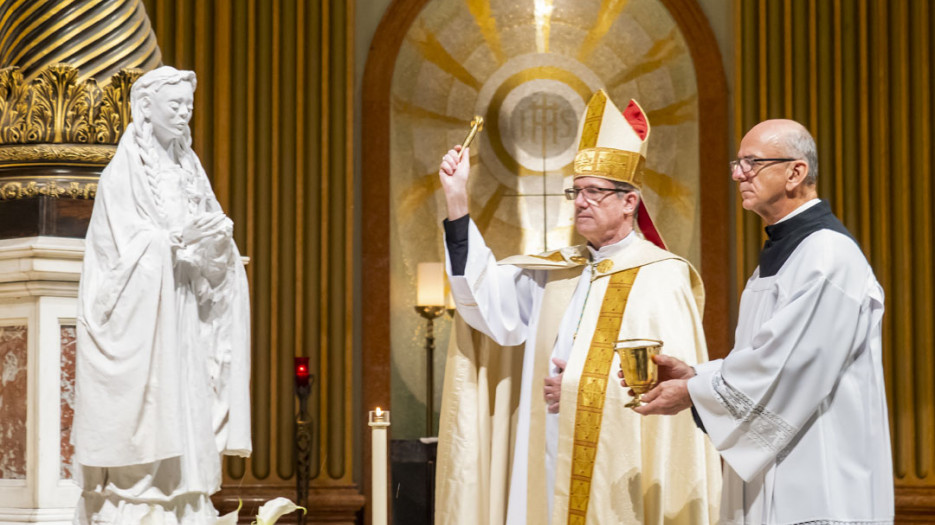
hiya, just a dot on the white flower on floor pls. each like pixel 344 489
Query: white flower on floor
pixel 231 517
pixel 274 509
pixel 268 514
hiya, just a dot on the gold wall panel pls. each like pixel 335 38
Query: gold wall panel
pixel 858 74
pixel 55 107
pixel 528 67
pixel 272 125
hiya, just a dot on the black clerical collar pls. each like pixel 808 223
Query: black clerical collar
pixel 785 236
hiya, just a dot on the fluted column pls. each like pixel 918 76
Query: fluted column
pixel 858 74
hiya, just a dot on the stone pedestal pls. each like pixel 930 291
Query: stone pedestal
pixel 38 290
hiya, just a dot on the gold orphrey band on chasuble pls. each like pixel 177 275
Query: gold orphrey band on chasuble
pixel 591 391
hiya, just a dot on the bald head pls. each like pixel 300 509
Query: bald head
pixel 776 168
pixel 790 139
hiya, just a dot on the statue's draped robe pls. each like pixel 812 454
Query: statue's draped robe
pixel 492 456
pixel 163 350
pixel 798 408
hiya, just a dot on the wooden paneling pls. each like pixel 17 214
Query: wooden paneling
pixel 858 74
pixel 272 127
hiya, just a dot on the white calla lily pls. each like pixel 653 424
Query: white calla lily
pixel 274 509
pixel 231 517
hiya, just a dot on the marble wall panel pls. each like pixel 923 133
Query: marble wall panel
pixel 67 399
pixel 13 402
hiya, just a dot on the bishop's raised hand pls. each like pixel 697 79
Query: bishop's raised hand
pixel 453 175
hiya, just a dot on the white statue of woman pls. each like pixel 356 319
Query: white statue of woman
pixel 162 372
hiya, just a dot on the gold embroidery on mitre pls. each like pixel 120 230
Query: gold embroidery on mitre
pixel 610 163
pixel 592 121
pixel 592 389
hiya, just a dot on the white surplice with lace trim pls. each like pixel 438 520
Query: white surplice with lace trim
pixel 798 408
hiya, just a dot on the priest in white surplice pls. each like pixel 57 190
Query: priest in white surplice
pixel 798 408
pixel 533 425
pixel 162 370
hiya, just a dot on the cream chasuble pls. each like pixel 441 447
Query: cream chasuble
pixel 492 464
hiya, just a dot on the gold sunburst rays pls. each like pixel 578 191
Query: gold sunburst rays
pixel 543 14
pixel 432 50
pixel 678 112
pixel 662 53
pixel 409 110
pixel 483 17
pixel 606 16
pixel 489 210
pixel 422 189
pixel 674 195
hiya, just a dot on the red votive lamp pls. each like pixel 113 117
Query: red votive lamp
pixel 302 373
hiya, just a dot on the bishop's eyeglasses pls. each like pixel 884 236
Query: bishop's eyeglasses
pixel 592 194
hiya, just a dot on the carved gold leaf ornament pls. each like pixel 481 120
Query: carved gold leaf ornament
pixel 58 108
pixel 57 120
pixel 114 114
pixel 54 188
pixel 18 155
pixel 13 106
pixel 61 109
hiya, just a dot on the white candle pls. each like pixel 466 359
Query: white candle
pixel 379 422
pixel 430 289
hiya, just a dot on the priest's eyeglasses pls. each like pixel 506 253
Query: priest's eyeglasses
pixel 748 164
pixel 592 194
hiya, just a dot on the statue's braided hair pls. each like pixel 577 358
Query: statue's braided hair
pixel 144 89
